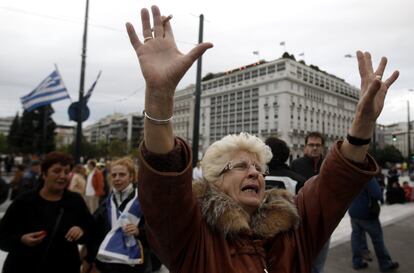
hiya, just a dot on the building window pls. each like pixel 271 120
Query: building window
pixel 281 66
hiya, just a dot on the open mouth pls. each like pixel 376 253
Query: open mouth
pixel 250 188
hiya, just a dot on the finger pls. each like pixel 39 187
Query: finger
pixel 361 64
pixel 146 24
pixel 392 78
pixel 133 37
pixel 168 33
pixel 156 17
pixel 381 67
pixel 373 88
pixel 368 61
pixel 197 51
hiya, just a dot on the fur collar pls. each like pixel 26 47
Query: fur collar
pixel 276 214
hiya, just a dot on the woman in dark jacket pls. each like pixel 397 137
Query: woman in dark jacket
pixel 42 228
pixel 108 224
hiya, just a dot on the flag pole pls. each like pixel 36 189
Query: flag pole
pixel 81 88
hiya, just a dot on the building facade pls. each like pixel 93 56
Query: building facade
pixel 64 135
pixel 127 128
pixel 5 124
pixel 396 134
pixel 282 98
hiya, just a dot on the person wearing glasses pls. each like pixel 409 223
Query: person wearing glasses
pixel 228 222
pixel 309 165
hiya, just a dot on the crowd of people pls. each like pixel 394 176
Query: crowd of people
pixel 243 209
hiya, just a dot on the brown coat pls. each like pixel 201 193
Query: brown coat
pixel 98 183
pixel 206 231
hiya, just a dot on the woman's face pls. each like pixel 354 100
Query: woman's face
pixel 243 181
pixel 57 177
pixel 120 177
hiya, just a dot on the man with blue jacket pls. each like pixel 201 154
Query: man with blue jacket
pixel 365 219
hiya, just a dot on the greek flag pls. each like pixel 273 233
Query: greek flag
pixel 89 93
pixel 49 90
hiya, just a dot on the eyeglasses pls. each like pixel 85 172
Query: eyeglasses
pixel 244 166
pixel 314 145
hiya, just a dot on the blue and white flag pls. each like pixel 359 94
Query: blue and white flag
pixel 114 248
pixel 49 90
pixel 89 93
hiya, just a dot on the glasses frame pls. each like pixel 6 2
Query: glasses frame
pixel 231 165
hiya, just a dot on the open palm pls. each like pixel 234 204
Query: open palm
pixel 162 64
pixel 373 89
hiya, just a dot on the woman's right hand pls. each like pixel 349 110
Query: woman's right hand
pixel 162 64
pixel 33 238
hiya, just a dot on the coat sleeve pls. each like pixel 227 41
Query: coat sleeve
pixel 10 233
pixel 324 199
pixel 171 212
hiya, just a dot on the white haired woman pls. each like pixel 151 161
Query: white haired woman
pixel 230 224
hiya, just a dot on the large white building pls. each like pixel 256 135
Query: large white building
pixel 5 123
pixel 396 134
pixel 127 128
pixel 282 98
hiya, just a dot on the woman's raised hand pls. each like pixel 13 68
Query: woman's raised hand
pixel 162 64
pixel 373 92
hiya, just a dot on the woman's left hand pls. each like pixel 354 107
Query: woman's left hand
pixel 74 234
pixel 131 229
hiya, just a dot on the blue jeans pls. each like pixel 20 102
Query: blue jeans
pixel 319 262
pixel 374 230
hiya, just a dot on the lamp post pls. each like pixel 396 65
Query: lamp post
pixel 409 135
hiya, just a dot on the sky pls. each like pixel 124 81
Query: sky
pixel 36 35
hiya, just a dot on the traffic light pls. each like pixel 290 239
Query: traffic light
pixel 394 138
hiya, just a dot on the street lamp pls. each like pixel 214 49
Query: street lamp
pixel 408 134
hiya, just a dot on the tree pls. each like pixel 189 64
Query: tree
pixel 31 131
pixel 389 154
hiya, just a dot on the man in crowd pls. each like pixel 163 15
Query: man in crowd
pixel 308 166
pixel 30 180
pixel 280 175
pixel 94 186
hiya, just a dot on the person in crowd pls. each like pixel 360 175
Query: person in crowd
pixel 280 175
pixel 78 180
pixel 308 166
pixel 94 186
pixel 16 181
pixel 31 177
pixel 395 194
pixel 381 181
pixel 109 226
pixel 393 175
pixel 104 169
pixel 364 213
pixel 42 228
pixel 408 190
pixel 228 222
pixel 9 163
pixel 4 189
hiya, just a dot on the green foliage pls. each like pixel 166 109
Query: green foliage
pixel 25 135
pixel 388 154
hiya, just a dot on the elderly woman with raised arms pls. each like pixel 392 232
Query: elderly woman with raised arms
pixel 228 223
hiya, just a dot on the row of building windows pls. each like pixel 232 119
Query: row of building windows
pixel 254 73
pixel 324 82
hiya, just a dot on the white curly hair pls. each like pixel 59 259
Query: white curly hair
pixel 222 151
